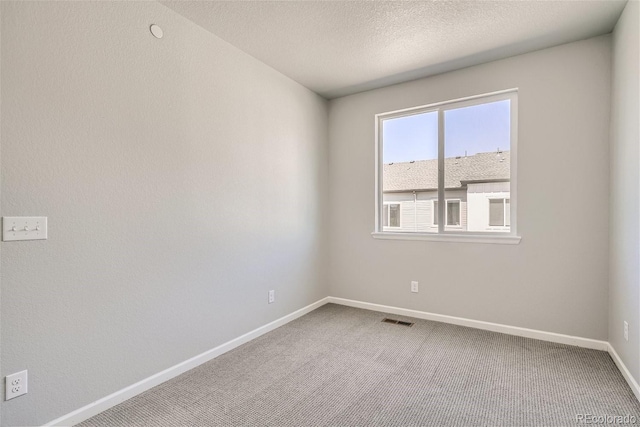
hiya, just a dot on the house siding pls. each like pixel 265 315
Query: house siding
pixel 416 212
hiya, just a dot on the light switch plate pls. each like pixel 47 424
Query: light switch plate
pixel 24 228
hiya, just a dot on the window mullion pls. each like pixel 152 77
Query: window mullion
pixel 441 201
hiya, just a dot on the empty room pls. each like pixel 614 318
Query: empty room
pixel 320 213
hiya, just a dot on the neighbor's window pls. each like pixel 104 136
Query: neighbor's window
pixel 452 160
pixel 452 212
pixel 499 212
pixel 391 215
pixel 434 213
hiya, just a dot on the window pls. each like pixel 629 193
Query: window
pixel 391 215
pixel 452 214
pixel 446 160
pixel 499 212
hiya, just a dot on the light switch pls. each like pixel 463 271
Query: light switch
pixel 24 228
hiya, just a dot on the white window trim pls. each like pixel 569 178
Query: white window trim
pixel 466 237
pixel 389 214
pixel 443 235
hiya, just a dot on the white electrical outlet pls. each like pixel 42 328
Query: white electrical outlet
pixel 272 296
pixel 15 385
pixel 626 331
pixel 414 286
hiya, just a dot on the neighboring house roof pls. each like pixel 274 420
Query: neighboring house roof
pixel 423 174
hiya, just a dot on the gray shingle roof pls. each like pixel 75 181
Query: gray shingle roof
pixel 423 174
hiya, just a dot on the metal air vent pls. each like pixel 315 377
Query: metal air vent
pixel 397 322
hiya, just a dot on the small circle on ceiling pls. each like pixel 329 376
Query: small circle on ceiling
pixel 156 31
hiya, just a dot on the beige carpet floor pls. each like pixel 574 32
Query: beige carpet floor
pixel 341 366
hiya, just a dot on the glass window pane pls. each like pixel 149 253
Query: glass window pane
pixel 410 169
pixel 394 215
pixel 453 212
pixel 477 144
pixel 496 212
pixel 385 216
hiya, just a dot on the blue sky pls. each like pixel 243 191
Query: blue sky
pixel 476 129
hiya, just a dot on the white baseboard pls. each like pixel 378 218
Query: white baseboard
pixel 478 324
pixel 625 372
pixel 119 396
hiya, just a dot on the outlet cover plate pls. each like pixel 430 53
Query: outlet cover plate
pixel 15 385
pixel 414 286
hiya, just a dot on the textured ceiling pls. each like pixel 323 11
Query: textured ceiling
pixel 336 48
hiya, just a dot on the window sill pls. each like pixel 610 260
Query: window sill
pixel 452 238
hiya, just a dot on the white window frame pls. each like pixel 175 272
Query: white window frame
pixel 389 215
pixel 444 234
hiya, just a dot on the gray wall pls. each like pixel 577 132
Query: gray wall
pixel 624 294
pixel 556 279
pixel 182 179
